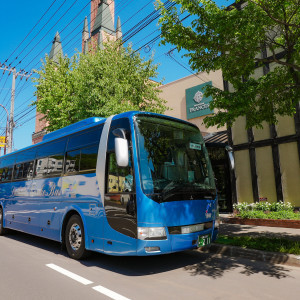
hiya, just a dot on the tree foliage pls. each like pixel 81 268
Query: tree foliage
pixel 100 83
pixel 232 39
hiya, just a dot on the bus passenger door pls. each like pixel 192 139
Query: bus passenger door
pixel 120 224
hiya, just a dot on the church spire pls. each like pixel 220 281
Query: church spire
pixel 85 34
pixel 56 48
pixel 85 28
pixel 103 20
pixel 118 29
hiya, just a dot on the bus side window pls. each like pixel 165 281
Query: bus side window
pixel 119 179
pixel 18 171
pixel 1 172
pixel 28 170
pixel 88 159
pixel 55 163
pixel 81 160
pixel 41 167
pixel 9 173
pixel 72 161
pixel 50 166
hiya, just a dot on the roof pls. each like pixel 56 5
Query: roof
pixel 220 138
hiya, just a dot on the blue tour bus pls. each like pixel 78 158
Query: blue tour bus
pixel 132 184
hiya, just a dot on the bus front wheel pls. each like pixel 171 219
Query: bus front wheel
pixel 2 230
pixel 74 238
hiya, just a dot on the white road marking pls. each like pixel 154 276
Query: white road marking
pixel 109 293
pixel 69 274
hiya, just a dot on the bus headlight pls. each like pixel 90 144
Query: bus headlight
pixel 152 233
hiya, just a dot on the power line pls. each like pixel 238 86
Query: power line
pixel 47 32
pixel 30 32
pixel 40 31
pixel 38 55
pixel 62 30
pixel 49 29
pixel 143 23
pixel 15 74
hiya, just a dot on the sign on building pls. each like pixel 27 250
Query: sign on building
pixel 197 105
pixel 2 141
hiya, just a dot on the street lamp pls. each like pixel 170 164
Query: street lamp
pixel 6 128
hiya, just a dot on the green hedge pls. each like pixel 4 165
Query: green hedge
pixel 266 210
pixel 276 215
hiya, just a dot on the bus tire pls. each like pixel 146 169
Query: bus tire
pixel 2 230
pixel 74 238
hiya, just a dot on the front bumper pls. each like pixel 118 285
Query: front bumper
pixel 173 243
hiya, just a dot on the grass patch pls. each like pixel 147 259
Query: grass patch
pixel 261 243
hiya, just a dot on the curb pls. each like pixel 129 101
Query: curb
pixel 253 254
pixel 262 222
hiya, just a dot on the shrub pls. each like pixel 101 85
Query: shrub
pixel 263 206
pixel 275 215
pixel 266 210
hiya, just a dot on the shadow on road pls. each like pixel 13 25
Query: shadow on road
pixel 38 242
pixel 258 231
pixel 194 262
pixel 216 266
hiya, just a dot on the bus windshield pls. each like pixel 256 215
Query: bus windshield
pixel 173 160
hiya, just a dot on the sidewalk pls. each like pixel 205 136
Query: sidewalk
pixel 252 254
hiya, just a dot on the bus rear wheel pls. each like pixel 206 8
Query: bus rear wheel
pixel 2 230
pixel 74 238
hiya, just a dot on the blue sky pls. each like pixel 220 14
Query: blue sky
pixel 27 30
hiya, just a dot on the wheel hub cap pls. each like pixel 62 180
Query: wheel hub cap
pixel 75 237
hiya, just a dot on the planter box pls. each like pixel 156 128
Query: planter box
pixel 263 222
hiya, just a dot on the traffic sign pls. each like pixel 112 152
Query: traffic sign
pixel 2 141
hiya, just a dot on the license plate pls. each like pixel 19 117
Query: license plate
pixel 203 240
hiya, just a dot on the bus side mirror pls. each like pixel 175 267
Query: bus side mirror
pixel 121 148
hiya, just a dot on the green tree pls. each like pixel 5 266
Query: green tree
pixel 231 39
pixel 100 83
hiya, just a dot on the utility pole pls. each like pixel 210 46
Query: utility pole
pixel 21 74
pixel 7 121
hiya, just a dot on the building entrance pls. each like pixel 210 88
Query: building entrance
pixel 216 144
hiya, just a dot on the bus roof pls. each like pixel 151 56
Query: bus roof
pixel 78 126
pixel 85 124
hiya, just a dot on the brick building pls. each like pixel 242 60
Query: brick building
pixel 102 29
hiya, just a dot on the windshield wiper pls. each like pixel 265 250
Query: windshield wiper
pixel 180 187
pixel 172 186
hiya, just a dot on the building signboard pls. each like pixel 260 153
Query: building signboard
pixel 197 105
pixel 2 141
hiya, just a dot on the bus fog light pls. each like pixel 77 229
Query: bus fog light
pixel 152 233
pixel 152 249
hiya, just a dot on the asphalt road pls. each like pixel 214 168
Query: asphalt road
pixel 35 268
